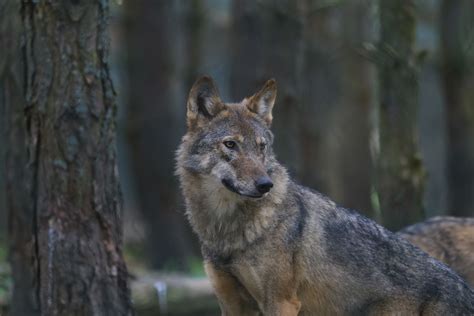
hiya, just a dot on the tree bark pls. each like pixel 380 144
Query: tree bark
pixel 399 175
pixel 155 124
pixel 63 193
pixel 458 80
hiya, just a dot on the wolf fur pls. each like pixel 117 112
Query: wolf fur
pixel 291 250
pixel 448 239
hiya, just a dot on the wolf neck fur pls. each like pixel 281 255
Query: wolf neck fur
pixel 226 222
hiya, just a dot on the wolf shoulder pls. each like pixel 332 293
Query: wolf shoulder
pixel 365 259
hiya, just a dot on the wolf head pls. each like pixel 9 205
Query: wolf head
pixel 228 145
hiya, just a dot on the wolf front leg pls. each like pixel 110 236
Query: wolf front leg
pixel 234 300
pixel 286 305
pixel 289 307
pixel 280 290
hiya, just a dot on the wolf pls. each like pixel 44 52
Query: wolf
pixel 448 239
pixel 273 247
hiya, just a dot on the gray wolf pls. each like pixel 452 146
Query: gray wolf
pixel 273 247
pixel 448 239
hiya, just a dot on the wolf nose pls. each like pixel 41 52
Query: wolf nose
pixel 264 184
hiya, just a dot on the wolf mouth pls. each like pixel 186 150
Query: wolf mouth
pixel 230 186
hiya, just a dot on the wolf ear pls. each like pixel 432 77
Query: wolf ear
pixel 203 101
pixel 262 102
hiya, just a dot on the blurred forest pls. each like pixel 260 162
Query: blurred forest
pixel 329 115
pixel 375 105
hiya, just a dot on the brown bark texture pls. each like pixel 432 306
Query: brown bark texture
pixel 457 58
pixel 63 193
pixel 399 173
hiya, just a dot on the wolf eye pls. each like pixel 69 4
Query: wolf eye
pixel 229 144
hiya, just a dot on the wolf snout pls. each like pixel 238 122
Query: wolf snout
pixel 264 184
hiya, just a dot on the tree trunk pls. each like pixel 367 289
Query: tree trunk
pixel 18 190
pixel 269 41
pixel 351 162
pixel 247 60
pixel 155 124
pixel 458 81
pixel 193 13
pixel 399 175
pixel 62 184
pixel 9 27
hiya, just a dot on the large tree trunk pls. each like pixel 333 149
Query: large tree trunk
pixel 399 175
pixel 155 124
pixel 458 78
pixel 63 194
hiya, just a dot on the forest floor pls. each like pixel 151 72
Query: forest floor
pixel 153 292
pixel 169 292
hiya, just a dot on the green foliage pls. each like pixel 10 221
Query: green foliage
pixel 3 253
pixel 196 267
pixel 136 258
pixel 374 199
pixel 135 255
pixel 193 266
